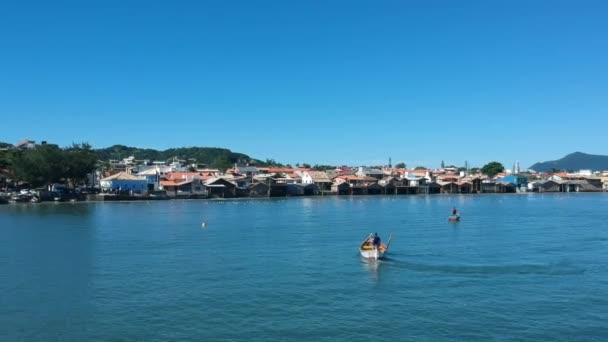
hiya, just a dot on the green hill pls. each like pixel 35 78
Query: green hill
pixel 574 161
pixel 212 156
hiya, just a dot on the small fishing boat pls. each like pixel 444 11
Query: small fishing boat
pixel 454 218
pixel 369 251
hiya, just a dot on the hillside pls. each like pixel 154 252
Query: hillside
pixel 574 161
pixel 212 156
pixel 215 157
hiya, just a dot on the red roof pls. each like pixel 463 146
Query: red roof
pixel 174 183
pixel 280 170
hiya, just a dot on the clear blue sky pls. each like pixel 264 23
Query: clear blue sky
pixel 340 82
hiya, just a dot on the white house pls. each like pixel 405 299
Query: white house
pixel 152 177
pixel 123 181
pixel 319 178
pixel 414 180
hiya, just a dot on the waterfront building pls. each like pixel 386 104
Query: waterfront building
pixel 122 182
pixel 340 188
pixel 369 172
pixel 520 182
pixel 549 185
pixel 319 178
pixel 420 173
pixel 488 186
pixel 310 189
pixel 415 180
pixel 258 190
pixel 354 180
pixel 278 190
pixel 390 180
pixel 220 187
pixel 464 187
pixel 152 177
pixel 183 187
pixel 448 187
pixel 388 188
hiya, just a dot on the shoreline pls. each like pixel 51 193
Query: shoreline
pixel 219 199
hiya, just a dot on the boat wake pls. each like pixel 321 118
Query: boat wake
pixel 556 269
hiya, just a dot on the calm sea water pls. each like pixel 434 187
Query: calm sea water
pixel 517 267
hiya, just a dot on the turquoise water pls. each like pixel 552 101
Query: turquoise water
pixel 517 267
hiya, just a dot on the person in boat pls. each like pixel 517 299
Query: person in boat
pixel 370 240
pixel 376 240
pixel 454 212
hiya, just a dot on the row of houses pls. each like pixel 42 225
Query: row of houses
pixel 249 181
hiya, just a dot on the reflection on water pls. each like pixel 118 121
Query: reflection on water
pixel 372 267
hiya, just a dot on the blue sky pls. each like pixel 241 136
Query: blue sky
pixel 339 82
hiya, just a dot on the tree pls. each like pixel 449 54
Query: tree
pixel 221 162
pixel 41 165
pixel 307 166
pixel 442 165
pixel 273 163
pixel 318 167
pixel 47 164
pixel 492 169
pixel 5 159
pixel 80 160
pixel 400 165
pixel 420 168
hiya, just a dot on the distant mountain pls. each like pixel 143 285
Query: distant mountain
pixel 574 161
pixel 215 157
pixel 5 145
